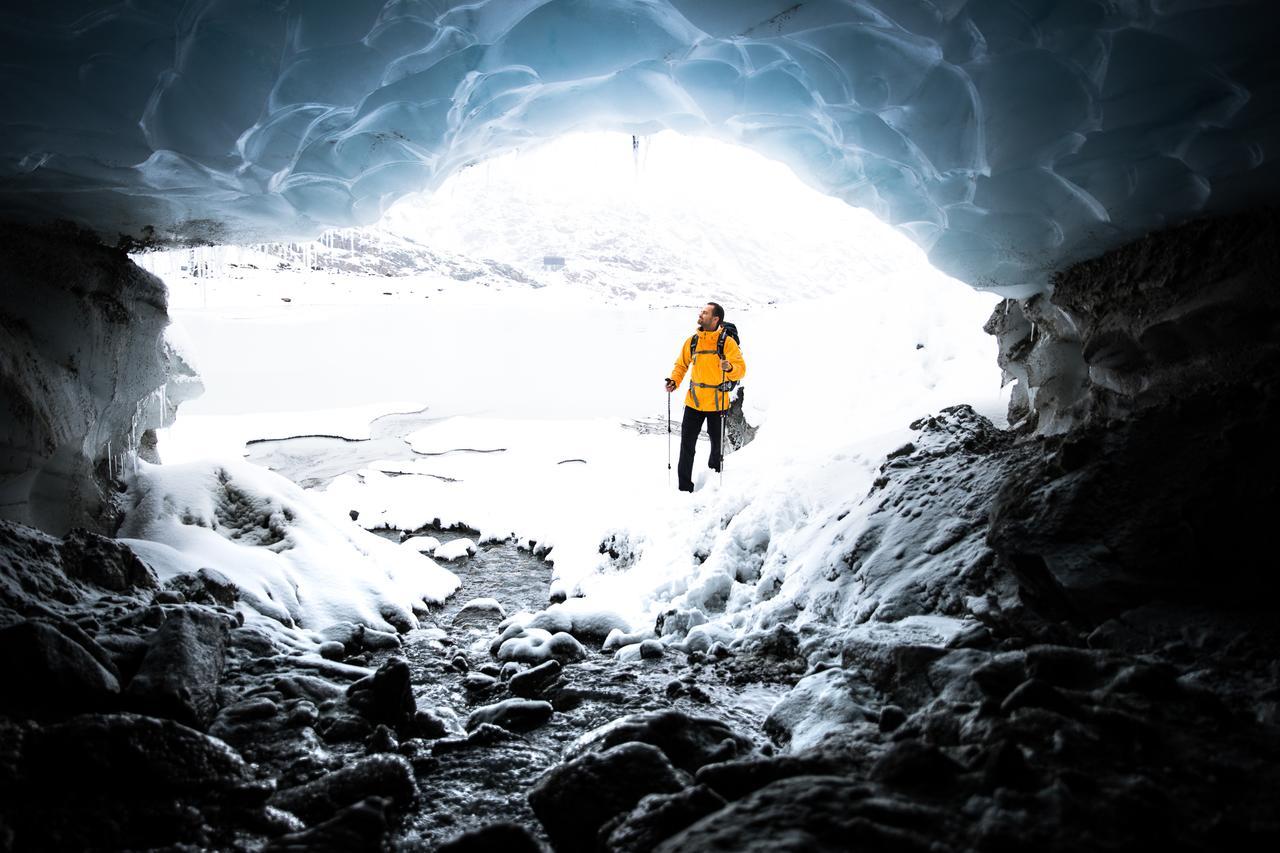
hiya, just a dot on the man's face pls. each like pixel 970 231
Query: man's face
pixel 707 320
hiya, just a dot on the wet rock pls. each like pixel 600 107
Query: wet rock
pixel 817 813
pixel 505 837
pixel 104 562
pixel 891 717
pixel 658 817
pixel 180 782
pixel 734 780
pixel 534 680
pixel 485 735
pixel 476 682
pixel 179 675
pixel 652 650
pixel 481 612
pixel 517 715
pixel 689 742
pixel 386 696
pixel 168 596
pixel 304 713
pixel 378 641
pixel 460 663
pixel 382 740
pixel 914 766
pixel 574 800
pixel 358 827
pixel 389 776
pixel 49 673
pixel 344 728
pixel 433 723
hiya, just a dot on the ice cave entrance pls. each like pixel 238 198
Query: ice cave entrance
pixel 504 338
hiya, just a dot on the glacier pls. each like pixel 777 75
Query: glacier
pixel 1008 138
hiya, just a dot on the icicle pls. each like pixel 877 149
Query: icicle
pixel 109 474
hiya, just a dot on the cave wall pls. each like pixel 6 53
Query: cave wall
pixel 83 370
pixel 1152 386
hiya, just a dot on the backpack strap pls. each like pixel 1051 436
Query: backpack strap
pixel 720 343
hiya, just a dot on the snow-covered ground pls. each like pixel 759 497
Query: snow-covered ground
pixel 558 379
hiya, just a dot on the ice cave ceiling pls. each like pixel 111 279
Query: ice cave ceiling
pixel 1007 137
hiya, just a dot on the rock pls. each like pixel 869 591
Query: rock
pixel 734 780
pixel 517 715
pixel 652 649
pixel 910 765
pixel 386 696
pixel 476 682
pixel 207 586
pixel 891 717
pixel 504 837
pixel 432 723
pixel 48 673
pixel 344 728
pixel 389 776
pixel 573 800
pixel 332 650
pixel 179 675
pixel 169 596
pixel 382 740
pixel 485 735
pixel 359 827
pixel 377 641
pixel 534 680
pixel 348 633
pixel 535 646
pixel 481 612
pixel 460 663
pixel 104 562
pixel 110 781
pixel 688 742
pixel 658 817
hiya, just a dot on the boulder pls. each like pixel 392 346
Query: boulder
pixel 381 775
pixel 49 673
pixel 386 696
pixel 516 715
pixel 689 742
pixel 575 799
pixel 179 674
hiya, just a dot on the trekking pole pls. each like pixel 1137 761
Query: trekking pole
pixel 724 418
pixel 668 439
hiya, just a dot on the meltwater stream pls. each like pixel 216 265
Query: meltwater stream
pixel 467 785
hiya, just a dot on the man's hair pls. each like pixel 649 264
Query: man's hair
pixel 717 311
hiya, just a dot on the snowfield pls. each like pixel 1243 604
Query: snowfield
pixel 544 421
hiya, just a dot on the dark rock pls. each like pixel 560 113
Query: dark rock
pixel 344 728
pixel 734 780
pixel 477 682
pixel 382 740
pixel 332 651
pixel 818 814
pixel 104 562
pixel 658 817
pixel 517 715
pixel 431 724
pixel 652 650
pixel 179 675
pixel 484 735
pixel 534 680
pixel 504 837
pixel 891 717
pixel 910 765
pixel 574 800
pixel 386 696
pixel 389 776
pixel 689 742
pixel 1034 693
pixel 359 827
pixel 128 781
pixel 207 586
pixel 49 673
pixel 168 596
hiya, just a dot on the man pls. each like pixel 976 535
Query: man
pixel 708 398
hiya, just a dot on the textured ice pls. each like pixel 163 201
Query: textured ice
pixel 1007 137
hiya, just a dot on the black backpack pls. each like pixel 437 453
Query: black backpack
pixel 727 330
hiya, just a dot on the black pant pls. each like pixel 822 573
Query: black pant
pixel 689 429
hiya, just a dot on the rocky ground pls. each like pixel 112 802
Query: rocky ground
pixel 140 716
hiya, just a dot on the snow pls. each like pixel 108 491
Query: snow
pixel 291 560
pixel 1007 139
pixel 536 415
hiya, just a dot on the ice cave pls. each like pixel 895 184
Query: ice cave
pixel 411 626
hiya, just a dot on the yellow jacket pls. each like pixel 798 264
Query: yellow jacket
pixel 706 371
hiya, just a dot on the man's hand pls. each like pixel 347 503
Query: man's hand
pixel 671 386
pixel 725 365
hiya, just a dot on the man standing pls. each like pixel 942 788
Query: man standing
pixel 717 361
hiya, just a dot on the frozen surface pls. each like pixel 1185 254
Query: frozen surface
pixel 1006 138
pixel 292 561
